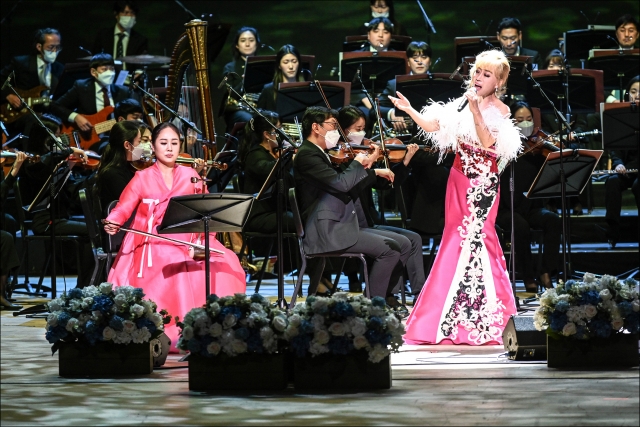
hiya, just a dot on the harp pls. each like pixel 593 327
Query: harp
pixel 188 90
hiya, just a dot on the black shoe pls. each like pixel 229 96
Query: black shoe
pixel 531 286
pixel 604 234
pixel 577 209
pixel 399 309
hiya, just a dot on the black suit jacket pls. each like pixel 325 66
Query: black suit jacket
pixel 534 53
pixel 267 99
pixel 327 208
pixel 81 98
pixel 26 71
pixel 105 42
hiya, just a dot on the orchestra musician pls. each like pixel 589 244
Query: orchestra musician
pixel 89 96
pixel 246 44
pixel 288 70
pixel 510 38
pixel 529 213
pixel 167 271
pixel 419 60
pixel 40 68
pixel 352 120
pixel 33 176
pixel 467 297
pixel 9 260
pixel 384 9
pixel 122 40
pixel 332 213
pixel 621 160
pixel 627 31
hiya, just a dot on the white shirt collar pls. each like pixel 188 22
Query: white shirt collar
pixel 40 62
pixel 116 31
pixel 99 88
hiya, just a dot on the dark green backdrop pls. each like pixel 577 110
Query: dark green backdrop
pixel 315 27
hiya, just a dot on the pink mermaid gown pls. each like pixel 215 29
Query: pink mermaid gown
pixel 164 270
pixel 467 298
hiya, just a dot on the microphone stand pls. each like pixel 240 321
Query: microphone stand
pixel 563 183
pixel 191 14
pixel 281 137
pixel 427 23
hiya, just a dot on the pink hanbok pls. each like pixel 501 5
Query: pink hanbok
pixel 164 270
pixel 467 298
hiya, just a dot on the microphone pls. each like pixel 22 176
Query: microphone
pixel 6 83
pixel 457 71
pixel 223 82
pixel 366 43
pixel 524 69
pixel 473 21
pixel 464 102
pixel 356 77
pixel 263 45
pixel 317 68
pixel 85 50
pixel 4 129
pixel 435 63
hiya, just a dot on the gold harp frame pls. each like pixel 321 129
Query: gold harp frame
pixel 191 49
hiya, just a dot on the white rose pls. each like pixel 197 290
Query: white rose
pixel 256 307
pixel 187 333
pixel 280 323
pixel 321 337
pixel 108 334
pixel 358 326
pixel 377 311
pixel 201 324
pixel 337 329
pixel 360 342
pixel 122 338
pixel 589 277
pixel 320 305
pixel 295 319
pixel 90 291
pixel 137 310
pixel 215 330
pixel 214 348
pixel 378 353
pixel 75 305
pixel 391 321
pixel 128 326
pixel 156 318
pixel 617 324
pixel 215 309
pixel 569 329
pixel 291 331
pixel 317 348
pixel 635 305
pixel 590 310
pixel 141 335
pixel 52 320
pixel 72 324
pixel 239 346
pixel 229 321
pixel 105 288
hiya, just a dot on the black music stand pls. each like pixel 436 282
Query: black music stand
pixel 186 214
pixel 578 166
pixel 420 89
pixel 582 89
pixel 471 46
pixel 294 98
pixel 618 68
pixel 259 71
pixel 621 126
pixel 377 69
pixel 578 43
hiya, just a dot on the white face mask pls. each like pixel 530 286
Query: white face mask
pixel 49 57
pixel 127 22
pixel 331 139
pixel 356 138
pixel 141 151
pixel 379 14
pixel 526 128
pixel 106 77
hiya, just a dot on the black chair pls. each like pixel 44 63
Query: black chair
pixel 113 243
pixel 303 256
pixel 27 238
pixel 93 228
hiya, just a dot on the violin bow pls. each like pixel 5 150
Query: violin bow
pixel 326 101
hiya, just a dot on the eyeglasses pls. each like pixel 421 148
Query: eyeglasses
pixel 334 124
pixel 56 48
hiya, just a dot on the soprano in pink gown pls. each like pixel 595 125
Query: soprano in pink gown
pixel 164 270
pixel 467 298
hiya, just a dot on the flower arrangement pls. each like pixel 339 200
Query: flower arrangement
pixel 344 324
pixel 104 313
pixel 592 308
pixel 233 325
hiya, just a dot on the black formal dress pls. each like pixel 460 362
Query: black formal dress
pixel 615 184
pixel 111 182
pixel 335 222
pixel 267 99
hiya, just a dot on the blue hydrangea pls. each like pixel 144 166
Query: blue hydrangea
pixel 310 300
pixel 116 323
pixel 558 320
pixel 254 342
pixel 377 337
pixel 378 302
pixel 194 345
pixel 212 298
pixel 600 328
pixel 230 309
pixel 75 293
pixel 102 303
pixel 300 344
pixel 257 298
pixel 137 293
pixel 590 297
pixel 91 326
pixel 569 284
pixel 581 333
pixel 306 327
pixel 562 306
pixel 63 318
pixel 344 309
pixel 375 323
pixel 340 345
pixel 143 322
pixel 624 307
pixel 55 334
pixel 242 333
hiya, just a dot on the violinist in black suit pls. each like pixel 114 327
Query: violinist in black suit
pixel 122 40
pixel 37 69
pixel 331 209
pixel 510 38
pixel 89 96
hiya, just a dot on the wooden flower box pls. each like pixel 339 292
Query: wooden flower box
pixel 618 351
pixel 105 359
pixel 244 372
pixel 341 372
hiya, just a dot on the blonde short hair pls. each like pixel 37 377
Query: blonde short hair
pixel 494 61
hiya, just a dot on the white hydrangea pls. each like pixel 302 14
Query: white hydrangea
pixel 137 310
pixel 377 353
pixel 317 348
pixel 87 302
pixel 156 318
pixel 125 290
pixel 141 335
pixel 357 325
pixel 201 324
pixel 90 291
pixel 320 305
pixel 52 320
pixel 55 304
pixel 340 296
pixel 317 321
pixel 215 308
pixel 105 288
pixel 187 333
pixel 122 338
pixel 72 324
pixel 256 307
pixel 291 331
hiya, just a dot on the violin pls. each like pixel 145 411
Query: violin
pixel 90 162
pixel 540 143
pixel 8 158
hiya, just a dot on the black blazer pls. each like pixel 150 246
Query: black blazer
pixel 26 70
pixel 534 53
pixel 267 99
pixel 81 98
pixel 327 208
pixel 105 42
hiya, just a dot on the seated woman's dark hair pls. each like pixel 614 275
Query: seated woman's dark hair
pixel 348 115
pixel 115 155
pixel 555 53
pixel 253 131
pixel 156 130
pixel 234 50
pixel 39 142
pixel 636 79
pixel 278 77
pixel 518 105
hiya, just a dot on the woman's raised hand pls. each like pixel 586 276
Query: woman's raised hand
pixel 400 102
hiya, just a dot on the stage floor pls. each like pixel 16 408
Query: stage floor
pixel 432 385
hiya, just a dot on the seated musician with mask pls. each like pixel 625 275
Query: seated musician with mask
pixel 419 60
pixel 122 40
pixel 331 209
pixel 29 72
pixel 92 95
